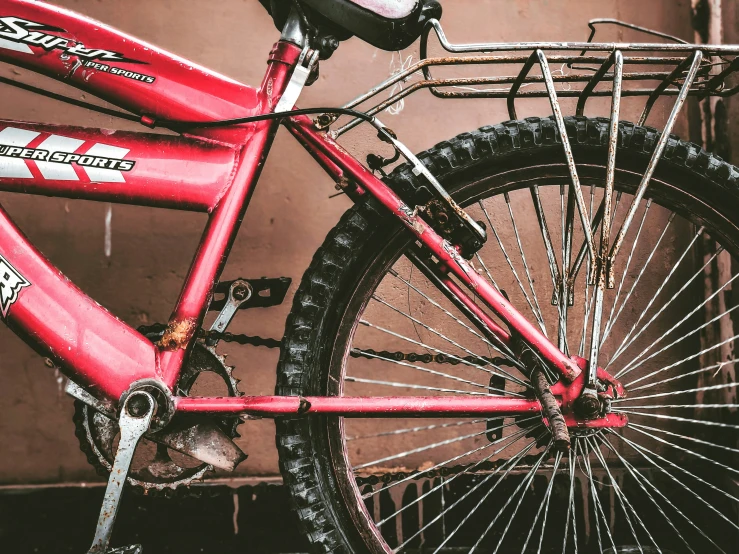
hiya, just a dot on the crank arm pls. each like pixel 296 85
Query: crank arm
pixel 134 421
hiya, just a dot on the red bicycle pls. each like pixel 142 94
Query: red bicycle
pixel 607 424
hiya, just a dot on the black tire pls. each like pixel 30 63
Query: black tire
pixel 699 186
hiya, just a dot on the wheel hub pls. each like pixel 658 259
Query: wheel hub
pixel 585 408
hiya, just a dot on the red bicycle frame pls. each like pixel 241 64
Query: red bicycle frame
pixel 211 170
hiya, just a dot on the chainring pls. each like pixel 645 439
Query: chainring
pixel 97 433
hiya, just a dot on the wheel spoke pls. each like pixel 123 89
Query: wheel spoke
pixel 673 393
pixel 638 477
pixel 571 502
pixel 451 315
pixel 523 487
pixel 597 508
pixel 433 331
pixel 417 429
pixel 546 237
pixel 622 500
pixel 500 372
pixel 534 311
pixel 420 449
pixel 543 506
pixel 642 449
pixel 702 406
pixel 715 369
pixel 628 339
pixel 628 369
pixel 565 292
pixel 638 428
pixel 511 439
pixel 434 372
pixel 523 256
pixel 684 437
pixel 687 359
pixel 548 496
pixel 597 297
pixel 510 464
pixel 677 418
pixel 352 379
pixel 612 322
pixel 487 271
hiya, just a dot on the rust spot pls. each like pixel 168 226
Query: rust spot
pixel 178 334
pixel 342 182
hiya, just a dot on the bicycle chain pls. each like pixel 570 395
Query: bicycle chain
pixel 224 336
pixel 368 353
pixel 425 358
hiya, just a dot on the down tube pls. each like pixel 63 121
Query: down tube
pixel 40 304
pixel 324 149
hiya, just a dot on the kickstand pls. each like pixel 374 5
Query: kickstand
pixel 134 421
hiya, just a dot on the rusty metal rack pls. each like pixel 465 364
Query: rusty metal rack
pixel 650 70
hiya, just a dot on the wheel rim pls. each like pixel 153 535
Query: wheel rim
pixel 658 464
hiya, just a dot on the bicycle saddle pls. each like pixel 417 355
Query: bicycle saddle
pixel 387 24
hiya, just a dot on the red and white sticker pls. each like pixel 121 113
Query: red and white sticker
pixel 11 283
pixel 56 156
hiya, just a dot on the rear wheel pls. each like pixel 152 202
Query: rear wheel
pixel 366 322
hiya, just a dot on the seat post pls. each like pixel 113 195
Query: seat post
pixel 294 30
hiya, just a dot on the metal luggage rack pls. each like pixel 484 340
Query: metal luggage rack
pixel 651 70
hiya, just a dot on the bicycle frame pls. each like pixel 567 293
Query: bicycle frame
pixel 212 170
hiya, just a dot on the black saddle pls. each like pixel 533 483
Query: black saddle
pixel 387 24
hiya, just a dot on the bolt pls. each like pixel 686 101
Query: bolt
pixel 587 405
pixel 138 405
pixel 241 292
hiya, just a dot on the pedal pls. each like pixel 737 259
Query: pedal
pixel 265 292
pixel 133 422
pixel 245 293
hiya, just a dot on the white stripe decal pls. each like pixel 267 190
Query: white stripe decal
pixel 59 171
pixel 14 167
pixel 17 46
pixel 99 175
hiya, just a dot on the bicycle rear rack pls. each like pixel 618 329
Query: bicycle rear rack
pixel 615 70
pixel 659 69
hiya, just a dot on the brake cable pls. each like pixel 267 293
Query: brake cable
pixel 180 126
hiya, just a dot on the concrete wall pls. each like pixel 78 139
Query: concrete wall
pixel 290 212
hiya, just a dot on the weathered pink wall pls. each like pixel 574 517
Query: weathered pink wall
pixel 290 212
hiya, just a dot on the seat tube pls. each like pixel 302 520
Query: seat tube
pixel 223 224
